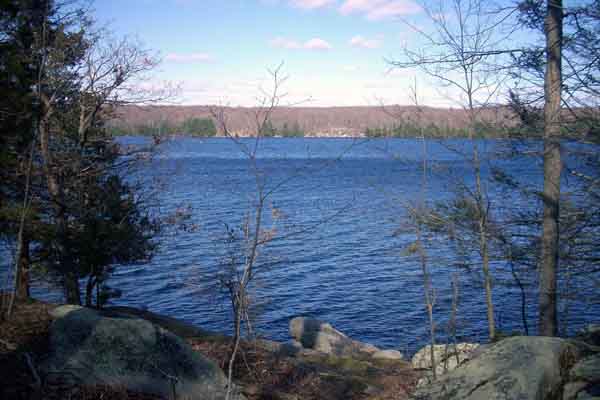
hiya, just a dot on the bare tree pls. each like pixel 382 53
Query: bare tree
pixel 417 215
pixel 461 53
pixel 247 253
pixel 241 265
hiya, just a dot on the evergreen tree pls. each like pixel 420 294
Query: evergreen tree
pixel 78 209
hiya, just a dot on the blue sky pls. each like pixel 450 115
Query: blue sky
pixel 333 51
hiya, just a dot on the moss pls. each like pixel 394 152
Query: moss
pixel 345 364
pixel 348 364
pixel 345 385
pixel 351 375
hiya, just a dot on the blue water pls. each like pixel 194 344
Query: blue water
pixel 337 209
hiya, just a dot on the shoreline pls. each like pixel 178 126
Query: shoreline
pixel 269 370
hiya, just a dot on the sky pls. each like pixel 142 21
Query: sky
pixel 333 52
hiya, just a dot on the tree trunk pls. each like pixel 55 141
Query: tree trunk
pixel 21 285
pixel 22 281
pixel 482 206
pixel 72 294
pixel 71 283
pixel 487 278
pixel 89 290
pixel 547 323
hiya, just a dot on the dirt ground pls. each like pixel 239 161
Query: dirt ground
pixel 262 373
pixel 267 375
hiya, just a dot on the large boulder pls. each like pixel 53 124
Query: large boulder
pixel 447 357
pixel 584 379
pixel 89 349
pixel 588 369
pixel 321 336
pixel 521 368
pixel 388 355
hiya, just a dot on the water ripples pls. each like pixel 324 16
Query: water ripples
pixel 350 269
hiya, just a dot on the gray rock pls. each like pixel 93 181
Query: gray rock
pixel 447 357
pixel 587 369
pixel 321 336
pixel 572 389
pixel 63 310
pixel 269 345
pixel 388 355
pixel 290 349
pixel 515 368
pixel 87 348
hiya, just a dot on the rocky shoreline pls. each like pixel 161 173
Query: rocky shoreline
pixel 138 351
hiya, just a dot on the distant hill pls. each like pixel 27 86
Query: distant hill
pixel 310 121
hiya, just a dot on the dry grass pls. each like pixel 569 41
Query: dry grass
pixel 266 374
pixel 262 373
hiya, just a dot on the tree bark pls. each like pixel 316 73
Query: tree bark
pixel 70 280
pixel 21 287
pixel 72 293
pixel 487 277
pixel 481 199
pixel 89 289
pixel 547 323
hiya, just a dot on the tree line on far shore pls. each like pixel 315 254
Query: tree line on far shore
pixel 196 126
pixel 204 127
pixel 403 128
pixel 409 129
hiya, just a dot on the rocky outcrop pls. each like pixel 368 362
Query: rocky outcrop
pixel 446 357
pixel 90 349
pixel 180 328
pixel 387 355
pixel 584 379
pixel 515 368
pixel 588 369
pixel 322 337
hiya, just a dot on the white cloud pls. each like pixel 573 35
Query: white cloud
pixel 350 68
pixel 393 9
pixel 311 4
pixel 338 90
pixel 375 10
pixel 364 43
pixel 189 58
pixel 351 6
pixel 283 43
pixel 317 44
pixel 312 44
pixel 203 92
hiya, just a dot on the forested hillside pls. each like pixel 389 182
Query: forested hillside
pixel 403 121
